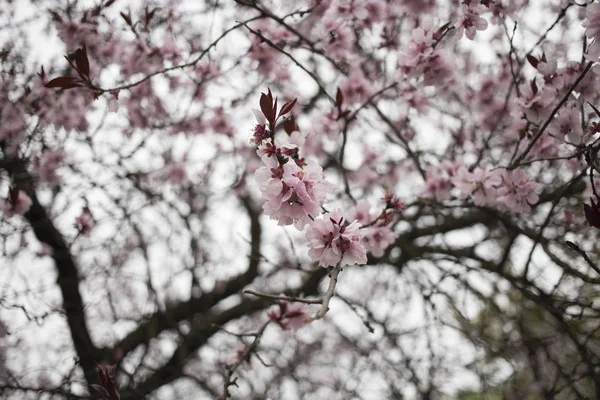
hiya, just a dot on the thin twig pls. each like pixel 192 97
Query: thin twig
pixel 283 298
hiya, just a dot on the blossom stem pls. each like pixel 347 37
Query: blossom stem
pixel 329 293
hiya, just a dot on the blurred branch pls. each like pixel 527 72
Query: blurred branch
pixel 68 275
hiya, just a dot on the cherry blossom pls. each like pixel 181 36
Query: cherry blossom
pixel 18 203
pixel 377 234
pixel 469 22
pixel 480 185
pixel 517 193
pixel 150 220
pixel 292 194
pixel 332 241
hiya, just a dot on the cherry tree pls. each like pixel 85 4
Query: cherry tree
pixel 319 199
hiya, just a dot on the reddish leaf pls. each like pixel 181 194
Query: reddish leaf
pixel 592 214
pixel 533 61
pixel 127 18
pixel 287 107
pixel 339 98
pixel 149 15
pixel 81 59
pixel 13 195
pixel 55 16
pixel 289 124
pixel 534 87
pixel 266 106
pixel 64 82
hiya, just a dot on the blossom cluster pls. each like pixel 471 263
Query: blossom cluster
pixel 508 190
pixel 294 190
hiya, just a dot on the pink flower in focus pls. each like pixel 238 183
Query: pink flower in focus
pixel 290 315
pixel 332 241
pixel 292 194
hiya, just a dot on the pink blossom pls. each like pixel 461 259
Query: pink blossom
pixel 379 236
pixel 416 99
pixel 517 193
pixel 418 7
pixel 48 164
pixel 337 39
pixel 267 62
pixel 85 222
pixel 169 50
pixel 290 315
pixel 437 184
pixel 176 174
pixel 292 194
pixel 437 69
pixel 469 22
pixel 362 212
pixel 376 11
pixel 45 250
pixel 332 241
pixel 535 102
pixel 18 203
pixel 480 185
pixel 219 123
pixel 356 88
pixel 419 48
pixel 113 103
pixel 13 127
